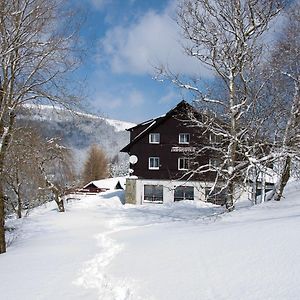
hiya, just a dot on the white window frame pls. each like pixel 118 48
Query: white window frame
pixel 157 195
pixel 184 159
pixel 154 140
pixel 212 138
pixel 184 193
pixel 184 135
pixel 154 158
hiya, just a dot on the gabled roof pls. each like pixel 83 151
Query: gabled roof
pixel 181 107
pixel 108 184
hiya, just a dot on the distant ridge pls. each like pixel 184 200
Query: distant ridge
pixel 44 109
pixel 78 130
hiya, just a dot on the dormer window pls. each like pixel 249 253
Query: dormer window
pixel 154 138
pixel 184 138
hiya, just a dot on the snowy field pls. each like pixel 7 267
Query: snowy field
pixel 100 249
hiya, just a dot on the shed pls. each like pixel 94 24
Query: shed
pixel 104 185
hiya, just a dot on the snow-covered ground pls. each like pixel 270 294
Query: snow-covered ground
pixel 56 113
pixel 100 249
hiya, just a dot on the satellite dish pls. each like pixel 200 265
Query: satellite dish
pixel 133 159
pixel 130 171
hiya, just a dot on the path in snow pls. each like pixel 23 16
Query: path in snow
pixel 66 255
pixel 98 250
pixel 49 253
pixel 95 274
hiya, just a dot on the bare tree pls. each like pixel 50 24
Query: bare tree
pixel 226 36
pixel 36 168
pixel 96 165
pixel 37 39
pixel 21 174
pixel 119 166
pixel 284 93
pixel 56 166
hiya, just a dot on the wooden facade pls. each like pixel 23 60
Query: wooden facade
pixel 169 149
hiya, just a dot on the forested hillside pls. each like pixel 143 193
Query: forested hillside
pixel 79 130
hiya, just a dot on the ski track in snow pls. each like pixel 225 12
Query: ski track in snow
pixel 93 274
pixel 260 243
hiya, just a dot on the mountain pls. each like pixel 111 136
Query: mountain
pixel 79 130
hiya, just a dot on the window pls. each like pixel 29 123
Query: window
pixel 184 193
pixel 183 163
pixel 184 138
pixel 212 138
pixel 217 196
pixel 153 163
pixel 153 193
pixel 154 138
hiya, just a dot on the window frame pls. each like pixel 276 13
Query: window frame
pixel 185 159
pixel 154 158
pixel 184 190
pixel 184 142
pixel 217 196
pixel 157 195
pixel 154 134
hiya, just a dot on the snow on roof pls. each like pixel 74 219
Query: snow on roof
pixel 109 183
pixel 141 133
pixel 267 174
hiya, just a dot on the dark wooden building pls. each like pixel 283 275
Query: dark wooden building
pixel 166 147
pixel 165 158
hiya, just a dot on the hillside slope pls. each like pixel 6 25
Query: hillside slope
pixel 100 249
pixel 78 131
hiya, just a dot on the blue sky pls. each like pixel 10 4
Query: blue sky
pixel 126 40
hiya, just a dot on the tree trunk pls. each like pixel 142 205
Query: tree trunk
pixel 2 221
pixel 232 145
pixel 2 206
pixel 263 187
pixel 19 207
pixel 5 139
pixel 229 198
pixel 61 206
pixel 254 186
pixel 284 178
pixel 60 202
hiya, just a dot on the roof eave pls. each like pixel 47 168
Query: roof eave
pixel 126 149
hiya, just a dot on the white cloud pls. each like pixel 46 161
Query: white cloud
pixel 108 101
pixel 154 40
pixel 100 4
pixel 151 41
pixel 169 97
pixel 136 98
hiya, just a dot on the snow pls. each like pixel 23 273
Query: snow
pixel 120 125
pixel 108 183
pixel 101 249
pixel 46 112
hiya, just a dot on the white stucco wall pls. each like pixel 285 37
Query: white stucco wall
pixel 168 189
